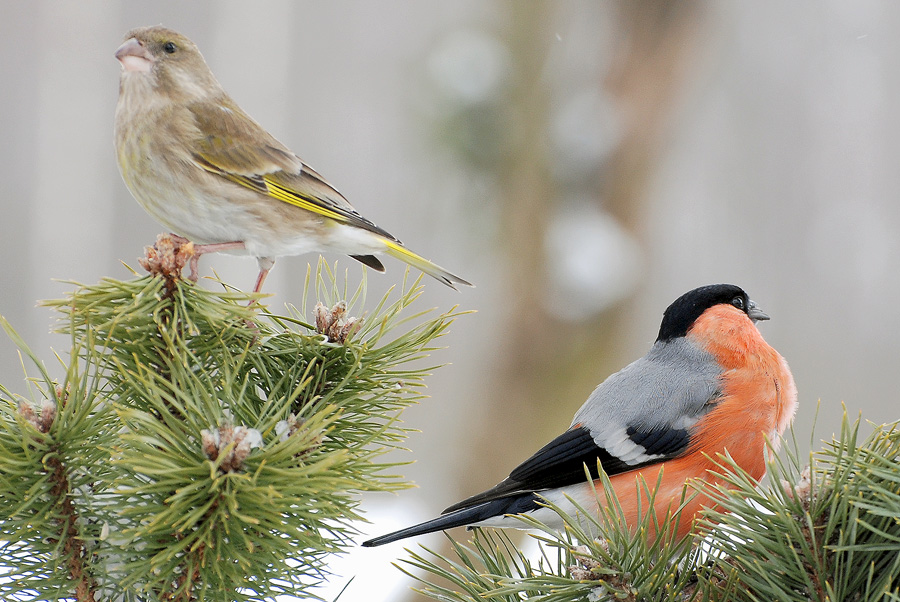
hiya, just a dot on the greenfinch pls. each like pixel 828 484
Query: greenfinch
pixel 204 169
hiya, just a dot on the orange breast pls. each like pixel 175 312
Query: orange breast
pixel 758 400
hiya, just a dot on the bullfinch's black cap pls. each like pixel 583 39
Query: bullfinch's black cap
pixel 681 314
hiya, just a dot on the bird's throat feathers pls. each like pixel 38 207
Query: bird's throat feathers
pixel 138 93
pixel 729 335
pixel 163 85
pixel 735 342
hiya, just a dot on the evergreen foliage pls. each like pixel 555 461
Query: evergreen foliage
pixel 826 532
pixel 198 448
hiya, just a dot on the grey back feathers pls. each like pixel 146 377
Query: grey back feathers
pixel 669 388
pixel 640 415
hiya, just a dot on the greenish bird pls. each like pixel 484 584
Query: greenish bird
pixel 204 169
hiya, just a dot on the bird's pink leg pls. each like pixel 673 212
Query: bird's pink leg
pixel 260 279
pixel 265 265
pixel 210 248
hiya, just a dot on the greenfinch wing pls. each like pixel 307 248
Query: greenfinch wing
pixel 232 145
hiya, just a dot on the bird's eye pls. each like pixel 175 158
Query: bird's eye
pixel 738 302
pixel 170 47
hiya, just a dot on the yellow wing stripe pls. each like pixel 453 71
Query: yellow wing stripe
pixel 276 191
pixel 283 194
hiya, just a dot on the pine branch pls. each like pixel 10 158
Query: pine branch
pixel 826 532
pixel 73 548
pixel 204 449
pixel 45 442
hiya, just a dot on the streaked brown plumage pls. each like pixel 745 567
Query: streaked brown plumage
pixel 207 171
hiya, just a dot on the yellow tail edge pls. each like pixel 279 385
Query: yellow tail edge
pixel 400 252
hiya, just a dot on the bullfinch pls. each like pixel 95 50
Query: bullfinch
pixel 204 169
pixel 709 385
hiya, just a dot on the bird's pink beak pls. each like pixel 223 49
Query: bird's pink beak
pixel 133 56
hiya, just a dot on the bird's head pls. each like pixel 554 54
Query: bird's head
pixel 166 60
pixel 681 315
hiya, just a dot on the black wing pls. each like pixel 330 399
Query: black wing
pixel 561 462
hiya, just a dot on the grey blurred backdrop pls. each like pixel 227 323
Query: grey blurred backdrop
pixel 583 163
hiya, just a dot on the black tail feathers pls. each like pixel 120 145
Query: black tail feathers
pixel 464 516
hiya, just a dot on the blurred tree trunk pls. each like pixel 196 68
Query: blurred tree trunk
pixel 547 366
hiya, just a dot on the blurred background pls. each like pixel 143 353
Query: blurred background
pixel 584 163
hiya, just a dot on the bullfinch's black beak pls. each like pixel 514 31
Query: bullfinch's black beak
pixel 755 313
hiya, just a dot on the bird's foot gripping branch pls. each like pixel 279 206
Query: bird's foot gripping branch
pixel 184 456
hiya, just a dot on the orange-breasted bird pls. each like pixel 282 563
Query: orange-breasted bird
pixel 204 169
pixel 709 385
